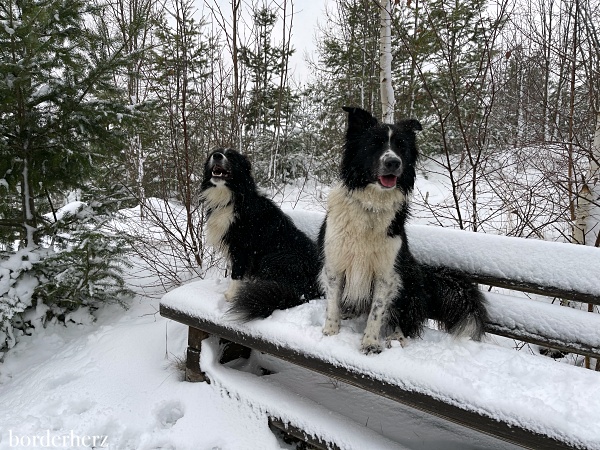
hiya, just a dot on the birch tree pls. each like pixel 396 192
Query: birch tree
pixel 388 102
pixel 586 229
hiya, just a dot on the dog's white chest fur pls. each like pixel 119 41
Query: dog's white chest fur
pixel 356 237
pixel 219 201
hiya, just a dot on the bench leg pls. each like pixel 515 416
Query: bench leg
pixel 193 373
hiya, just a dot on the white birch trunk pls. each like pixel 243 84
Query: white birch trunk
pixel 587 223
pixel 385 61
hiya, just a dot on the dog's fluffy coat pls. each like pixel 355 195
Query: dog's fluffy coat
pixel 273 264
pixel 367 264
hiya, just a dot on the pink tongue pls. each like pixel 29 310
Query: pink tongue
pixel 388 180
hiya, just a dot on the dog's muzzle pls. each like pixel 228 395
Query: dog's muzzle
pixel 390 168
pixel 220 166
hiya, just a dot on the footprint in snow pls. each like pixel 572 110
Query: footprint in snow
pixel 168 413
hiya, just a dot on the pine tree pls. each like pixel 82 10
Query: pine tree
pixel 347 70
pixel 270 105
pixel 265 62
pixel 60 123
pixel 58 117
pixel 127 26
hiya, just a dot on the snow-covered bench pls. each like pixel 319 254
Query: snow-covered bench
pixel 519 397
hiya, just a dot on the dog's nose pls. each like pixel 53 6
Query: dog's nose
pixel 392 163
pixel 218 156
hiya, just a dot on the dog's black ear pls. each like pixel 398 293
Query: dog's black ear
pixel 410 125
pixel 359 119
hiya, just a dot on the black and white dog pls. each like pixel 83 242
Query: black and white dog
pixel 273 264
pixel 367 264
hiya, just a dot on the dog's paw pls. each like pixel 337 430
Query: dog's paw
pixel 331 328
pixel 397 337
pixel 370 346
pixel 371 349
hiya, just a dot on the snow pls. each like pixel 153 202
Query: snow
pixel 542 319
pixel 519 388
pixel 566 266
pixel 112 379
pixel 117 379
pixel 41 90
pixel 9 30
pixel 16 287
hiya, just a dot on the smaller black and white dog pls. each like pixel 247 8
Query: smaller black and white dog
pixel 273 264
pixel 367 265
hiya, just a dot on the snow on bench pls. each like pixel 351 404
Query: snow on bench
pixel 565 271
pixel 524 398
pixel 528 265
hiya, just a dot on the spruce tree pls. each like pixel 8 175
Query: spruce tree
pixel 60 117
pixel 59 120
pixel 271 103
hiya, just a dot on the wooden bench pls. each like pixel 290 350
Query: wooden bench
pixel 561 271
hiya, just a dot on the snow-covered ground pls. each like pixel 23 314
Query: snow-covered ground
pixel 118 380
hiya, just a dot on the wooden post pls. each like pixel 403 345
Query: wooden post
pixel 193 373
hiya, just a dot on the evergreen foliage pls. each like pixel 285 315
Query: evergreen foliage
pixel 60 119
pixel 59 114
pixel 84 266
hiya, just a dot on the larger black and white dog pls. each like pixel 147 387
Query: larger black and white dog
pixel 273 264
pixel 367 264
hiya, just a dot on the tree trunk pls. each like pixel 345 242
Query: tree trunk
pixel 385 62
pixel 29 222
pixel 586 230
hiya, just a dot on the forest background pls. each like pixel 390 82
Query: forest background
pixel 113 105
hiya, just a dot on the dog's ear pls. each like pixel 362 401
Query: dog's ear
pixel 359 119
pixel 410 125
pixel 245 161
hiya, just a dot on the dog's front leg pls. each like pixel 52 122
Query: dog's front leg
pixel 333 285
pixel 383 295
pixel 234 286
pixel 238 269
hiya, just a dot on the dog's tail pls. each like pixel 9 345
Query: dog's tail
pixel 258 299
pixel 455 302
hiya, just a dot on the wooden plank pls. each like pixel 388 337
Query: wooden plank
pixel 511 433
pixel 579 347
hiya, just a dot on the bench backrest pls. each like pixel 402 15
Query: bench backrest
pixel 563 273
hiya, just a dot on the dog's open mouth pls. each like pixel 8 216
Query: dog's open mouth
pixel 220 172
pixel 388 181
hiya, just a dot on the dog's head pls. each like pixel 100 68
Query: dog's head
pixel 377 153
pixel 227 167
